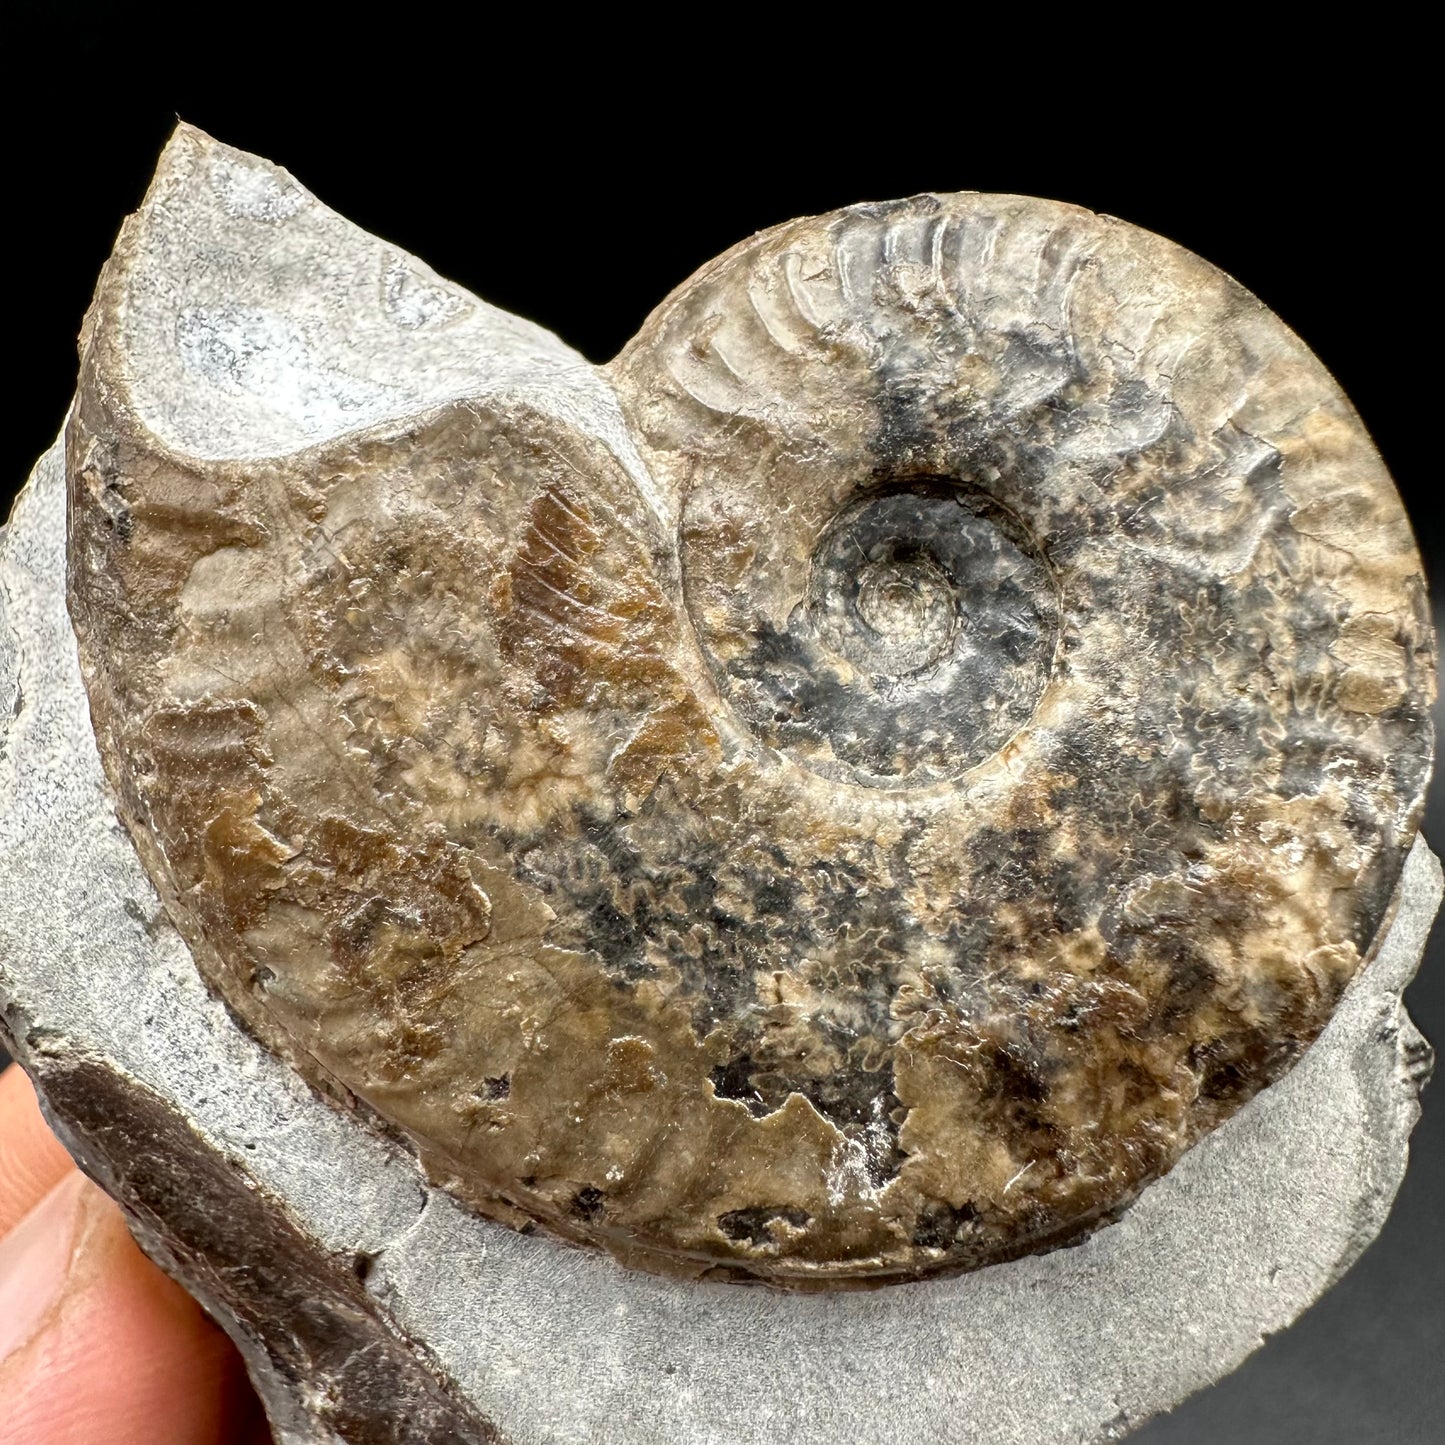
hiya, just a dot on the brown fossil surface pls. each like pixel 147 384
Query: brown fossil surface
pixel 971 769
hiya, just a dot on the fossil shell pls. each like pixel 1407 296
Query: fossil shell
pixel 875 833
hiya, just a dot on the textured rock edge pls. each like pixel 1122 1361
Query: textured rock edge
pixel 371 1307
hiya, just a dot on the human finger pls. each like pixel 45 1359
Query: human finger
pixel 32 1162
pixel 97 1344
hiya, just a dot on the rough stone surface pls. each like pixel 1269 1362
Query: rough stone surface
pixel 373 1307
pixel 856 789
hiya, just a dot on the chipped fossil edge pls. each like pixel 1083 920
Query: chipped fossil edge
pixel 374 1308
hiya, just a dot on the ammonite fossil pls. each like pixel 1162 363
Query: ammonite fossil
pixel 950 752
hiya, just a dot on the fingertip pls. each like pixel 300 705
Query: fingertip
pixel 124 1355
pixel 32 1161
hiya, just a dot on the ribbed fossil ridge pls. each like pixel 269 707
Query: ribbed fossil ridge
pixel 970 766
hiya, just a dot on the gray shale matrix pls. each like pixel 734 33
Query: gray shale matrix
pixel 925 746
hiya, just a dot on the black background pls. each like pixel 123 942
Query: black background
pixel 575 175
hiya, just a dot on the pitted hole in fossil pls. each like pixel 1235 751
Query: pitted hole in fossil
pixel 924 641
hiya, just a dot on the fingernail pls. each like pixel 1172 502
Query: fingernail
pixel 34 1262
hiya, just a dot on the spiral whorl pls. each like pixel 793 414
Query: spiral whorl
pixel 867 816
